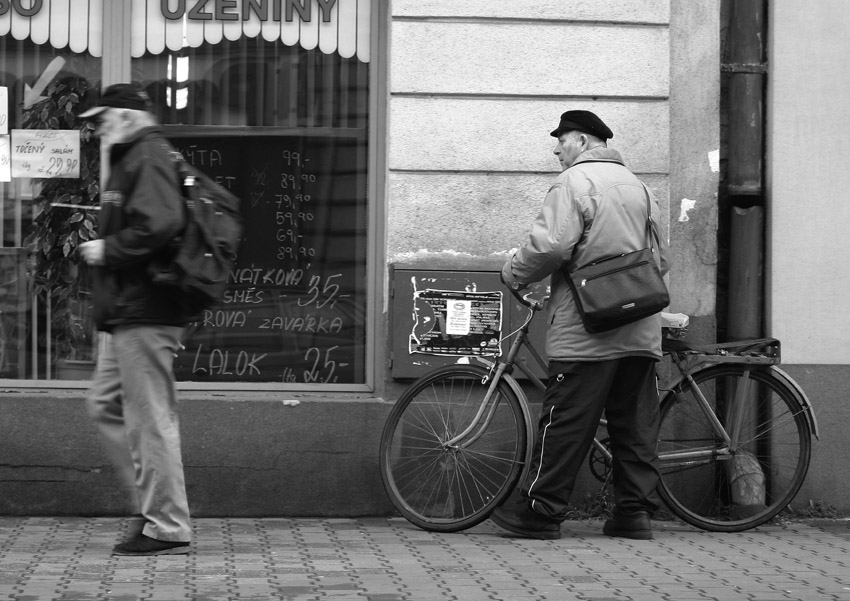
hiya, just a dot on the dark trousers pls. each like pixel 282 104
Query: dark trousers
pixel 576 395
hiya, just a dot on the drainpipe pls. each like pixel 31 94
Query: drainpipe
pixel 747 70
pixel 746 84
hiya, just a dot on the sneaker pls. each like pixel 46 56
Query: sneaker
pixel 635 525
pixel 527 523
pixel 145 545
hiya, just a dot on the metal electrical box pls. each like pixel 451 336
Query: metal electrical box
pixel 443 316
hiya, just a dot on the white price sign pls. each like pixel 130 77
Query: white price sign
pixel 45 153
pixel 5 159
pixel 4 110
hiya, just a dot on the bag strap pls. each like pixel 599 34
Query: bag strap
pixel 649 235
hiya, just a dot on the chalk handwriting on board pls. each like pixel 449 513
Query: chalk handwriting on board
pixel 226 362
pixel 295 308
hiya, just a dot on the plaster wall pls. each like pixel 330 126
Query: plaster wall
pixel 808 90
pixel 248 455
pixel 475 89
pixel 807 216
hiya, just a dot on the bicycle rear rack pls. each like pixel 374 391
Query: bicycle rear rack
pixel 757 351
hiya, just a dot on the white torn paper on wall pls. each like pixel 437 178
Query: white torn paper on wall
pixel 687 205
pixel 714 161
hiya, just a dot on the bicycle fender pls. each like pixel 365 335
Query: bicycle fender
pixel 780 375
pixel 801 396
pixel 526 413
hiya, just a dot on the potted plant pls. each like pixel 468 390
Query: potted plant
pixel 62 220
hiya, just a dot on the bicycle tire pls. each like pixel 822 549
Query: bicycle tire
pixel 448 490
pixel 732 493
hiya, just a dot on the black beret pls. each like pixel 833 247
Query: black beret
pixel 583 121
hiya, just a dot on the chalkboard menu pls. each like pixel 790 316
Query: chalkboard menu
pixel 295 308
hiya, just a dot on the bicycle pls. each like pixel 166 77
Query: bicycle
pixel 734 443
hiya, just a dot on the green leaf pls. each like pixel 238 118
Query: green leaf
pixel 78 216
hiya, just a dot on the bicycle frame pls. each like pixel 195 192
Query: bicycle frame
pixel 499 372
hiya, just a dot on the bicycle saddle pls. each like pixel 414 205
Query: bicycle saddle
pixel 676 321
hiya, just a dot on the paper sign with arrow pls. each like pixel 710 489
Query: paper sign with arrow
pixel 33 95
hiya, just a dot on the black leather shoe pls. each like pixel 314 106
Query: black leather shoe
pixel 526 522
pixel 135 526
pixel 635 525
pixel 144 545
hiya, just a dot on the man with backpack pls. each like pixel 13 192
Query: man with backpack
pixel 133 397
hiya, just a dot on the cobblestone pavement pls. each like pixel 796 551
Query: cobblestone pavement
pixel 68 559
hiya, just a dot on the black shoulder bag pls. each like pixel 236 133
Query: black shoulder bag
pixel 616 291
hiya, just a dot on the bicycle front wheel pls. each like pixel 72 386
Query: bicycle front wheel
pixel 449 488
pixel 722 488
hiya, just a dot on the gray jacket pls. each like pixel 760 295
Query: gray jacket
pixel 599 191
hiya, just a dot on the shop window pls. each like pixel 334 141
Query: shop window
pixel 276 107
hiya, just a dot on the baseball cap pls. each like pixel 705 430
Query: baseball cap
pixel 121 96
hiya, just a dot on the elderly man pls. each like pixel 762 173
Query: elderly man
pixel 595 209
pixel 133 397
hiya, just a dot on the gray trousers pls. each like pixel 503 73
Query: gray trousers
pixel 133 401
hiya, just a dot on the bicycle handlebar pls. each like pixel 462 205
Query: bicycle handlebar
pixel 526 299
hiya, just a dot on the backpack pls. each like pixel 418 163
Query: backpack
pixel 204 253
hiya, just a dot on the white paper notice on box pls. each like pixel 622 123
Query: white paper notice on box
pixel 46 153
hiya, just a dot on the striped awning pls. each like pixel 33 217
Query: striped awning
pixel 332 26
pixel 73 24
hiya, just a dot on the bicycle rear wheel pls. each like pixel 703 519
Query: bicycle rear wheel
pixel 722 492
pixel 450 489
